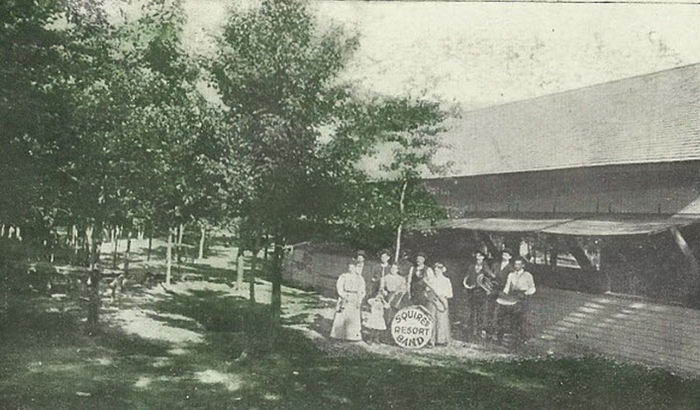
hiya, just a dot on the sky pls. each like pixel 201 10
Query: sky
pixel 482 54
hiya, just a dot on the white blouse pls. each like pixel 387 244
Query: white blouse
pixel 442 286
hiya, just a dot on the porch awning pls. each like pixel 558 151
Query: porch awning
pixel 611 227
pixel 617 225
pixel 507 224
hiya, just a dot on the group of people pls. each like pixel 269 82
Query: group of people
pixel 496 295
pixel 383 291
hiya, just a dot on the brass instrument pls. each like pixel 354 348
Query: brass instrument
pixel 433 297
pixel 487 283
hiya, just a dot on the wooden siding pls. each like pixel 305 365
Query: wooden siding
pixel 638 189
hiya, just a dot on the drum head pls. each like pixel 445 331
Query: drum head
pixel 412 327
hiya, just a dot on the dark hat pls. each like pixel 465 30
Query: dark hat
pixel 421 254
pixel 385 252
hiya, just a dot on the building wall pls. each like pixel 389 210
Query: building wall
pixel 661 188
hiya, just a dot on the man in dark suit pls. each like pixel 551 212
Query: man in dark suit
pixel 378 273
pixel 476 295
pixel 500 270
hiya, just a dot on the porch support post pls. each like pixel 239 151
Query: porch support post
pixel 685 249
pixel 580 255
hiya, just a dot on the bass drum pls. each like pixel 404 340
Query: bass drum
pixel 412 327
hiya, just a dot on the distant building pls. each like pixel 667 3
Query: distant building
pixel 601 185
pixel 600 189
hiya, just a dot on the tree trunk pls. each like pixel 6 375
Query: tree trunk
pixel 126 254
pixel 150 247
pixel 88 245
pixel 180 231
pixel 115 251
pixel 251 286
pixel 397 253
pixel 276 278
pixel 239 272
pixel 169 258
pixel 202 238
pixel 94 281
pixel 234 257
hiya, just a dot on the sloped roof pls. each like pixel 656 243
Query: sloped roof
pixel 643 119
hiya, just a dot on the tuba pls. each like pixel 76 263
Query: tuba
pixel 486 283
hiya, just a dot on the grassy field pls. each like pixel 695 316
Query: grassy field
pixel 184 349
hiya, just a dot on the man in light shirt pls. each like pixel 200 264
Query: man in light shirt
pixel 513 301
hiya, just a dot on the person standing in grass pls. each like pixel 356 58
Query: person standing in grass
pixel 476 294
pixel 513 303
pixel 375 323
pixel 347 323
pixel 500 271
pixel 439 305
pixel 378 274
pixel 395 292
pixel 417 277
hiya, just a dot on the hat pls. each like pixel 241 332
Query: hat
pixel 385 252
pixel 360 253
pixel 508 251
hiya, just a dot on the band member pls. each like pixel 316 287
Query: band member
pixel 500 271
pixel 378 273
pixel 395 292
pixel 439 305
pixel 347 323
pixel 513 302
pixel 476 293
pixel 416 280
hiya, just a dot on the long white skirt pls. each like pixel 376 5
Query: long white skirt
pixel 347 323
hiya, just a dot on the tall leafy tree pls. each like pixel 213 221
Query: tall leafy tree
pixel 276 71
pixel 393 141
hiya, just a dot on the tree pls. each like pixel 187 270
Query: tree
pixel 276 71
pixel 394 140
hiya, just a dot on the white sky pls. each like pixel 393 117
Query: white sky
pixel 480 54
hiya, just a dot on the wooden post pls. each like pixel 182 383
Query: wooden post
pixel 580 255
pixel 399 229
pixel 685 249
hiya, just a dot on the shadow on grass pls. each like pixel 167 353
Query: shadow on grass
pixel 47 363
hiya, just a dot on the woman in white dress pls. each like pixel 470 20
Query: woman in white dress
pixel 442 287
pixel 347 323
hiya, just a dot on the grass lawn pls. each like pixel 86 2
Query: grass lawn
pixel 183 349
pixel 48 363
